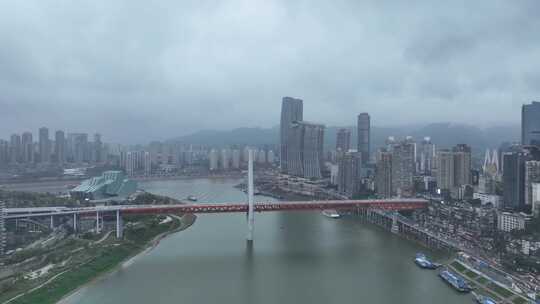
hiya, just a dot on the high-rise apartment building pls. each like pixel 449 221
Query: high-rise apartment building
pixel 2 229
pixel 291 111
pixel 532 175
pixel 213 159
pixel 97 149
pixel 4 152
pixel 403 165
pixel 147 164
pixel 462 165
pixel 513 179
pixel 235 163
pixel 78 147
pixel 44 145
pixel 349 174
pixel 364 136
pixel 60 147
pixel 530 124
pixel 305 149
pixel 445 170
pixel 15 149
pixel 384 174
pixel 343 142
pixel 426 156
pixel 27 146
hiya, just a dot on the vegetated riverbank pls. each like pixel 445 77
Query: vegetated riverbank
pixel 142 233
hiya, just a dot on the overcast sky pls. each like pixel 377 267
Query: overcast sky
pixel 137 71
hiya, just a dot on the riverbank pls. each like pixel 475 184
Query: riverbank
pixel 141 235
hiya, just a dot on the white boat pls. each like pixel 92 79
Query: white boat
pixel 331 213
pixel 192 198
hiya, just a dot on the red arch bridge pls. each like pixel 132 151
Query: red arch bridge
pixel 398 204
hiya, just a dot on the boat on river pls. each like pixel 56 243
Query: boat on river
pixel 331 213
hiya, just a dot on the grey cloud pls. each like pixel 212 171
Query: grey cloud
pixel 136 72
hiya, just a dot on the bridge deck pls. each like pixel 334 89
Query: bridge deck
pixel 390 204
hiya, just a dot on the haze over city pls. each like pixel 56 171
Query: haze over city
pixel 138 72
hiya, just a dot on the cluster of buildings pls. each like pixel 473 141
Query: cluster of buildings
pixel 23 149
pixel 301 142
pixel 235 159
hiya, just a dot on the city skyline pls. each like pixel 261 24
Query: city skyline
pixel 164 79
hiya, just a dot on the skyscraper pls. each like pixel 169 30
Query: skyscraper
pixel 213 160
pixel 4 152
pixel 147 164
pixel 384 174
pixel 343 142
pixel 427 156
pixel 530 124
pixel 78 147
pixel 60 147
pixel 445 170
pixel 2 229
pixel 15 149
pixel 98 149
pixel 403 161
pixel 462 165
pixel 363 136
pixel 349 174
pixel 27 146
pixel 44 145
pixel 532 175
pixel 514 179
pixel 291 111
pixel 305 149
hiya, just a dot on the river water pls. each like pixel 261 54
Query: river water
pixel 297 257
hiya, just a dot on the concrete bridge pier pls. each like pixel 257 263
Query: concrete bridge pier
pixel 97 223
pixel 75 222
pixel 52 223
pixel 251 217
pixel 119 225
pixel 395 227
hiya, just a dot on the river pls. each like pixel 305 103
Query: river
pixel 297 257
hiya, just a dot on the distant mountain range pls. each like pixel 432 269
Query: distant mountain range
pixel 444 135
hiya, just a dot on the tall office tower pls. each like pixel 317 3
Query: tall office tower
pixel 27 145
pixel 44 145
pixel 98 149
pixel 291 111
pixel 305 149
pixel 513 179
pixel 532 175
pixel 403 167
pixel 462 165
pixel 15 149
pixel 2 229
pixel 236 159
pixel 445 170
pixel 60 147
pixel 530 124
pixel 343 142
pixel 349 174
pixel 363 136
pixel 426 156
pixel 383 177
pixel 4 152
pixel 147 164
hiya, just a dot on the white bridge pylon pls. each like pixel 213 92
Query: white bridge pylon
pixel 250 218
